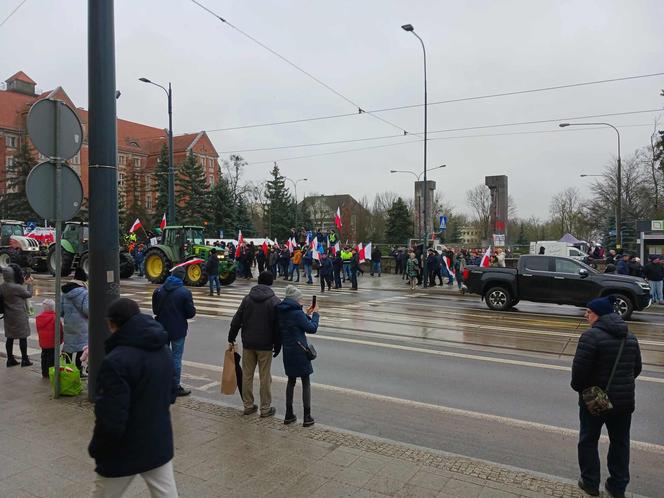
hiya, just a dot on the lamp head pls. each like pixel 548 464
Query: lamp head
pixel 563 125
pixel 393 171
pixel 305 179
pixel 144 80
pixel 408 27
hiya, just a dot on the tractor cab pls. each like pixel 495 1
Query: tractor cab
pixel 10 228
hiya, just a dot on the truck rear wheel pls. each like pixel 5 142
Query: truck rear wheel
pixel 623 306
pixel 498 299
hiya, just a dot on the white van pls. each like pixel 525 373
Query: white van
pixel 555 248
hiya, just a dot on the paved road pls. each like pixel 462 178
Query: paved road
pixel 440 370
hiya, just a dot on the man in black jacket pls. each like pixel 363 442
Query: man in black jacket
pixel 654 272
pixel 595 357
pixel 212 268
pixel 135 388
pixel 257 316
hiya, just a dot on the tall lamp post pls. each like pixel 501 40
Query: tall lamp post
pixel 171 179
pixel 618 180
pixel 411 29
pixel 295 182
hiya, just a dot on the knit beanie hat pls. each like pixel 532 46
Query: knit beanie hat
pixel 602 305
pixel 121 310
pixel 266 278
pixel 179 272
pixel 293 293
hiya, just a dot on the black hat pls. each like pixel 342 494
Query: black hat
pixel 121 310
pixel 266 278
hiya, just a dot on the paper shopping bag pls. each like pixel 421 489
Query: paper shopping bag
pixel 228 378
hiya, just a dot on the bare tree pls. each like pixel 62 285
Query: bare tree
pixel 566 210
pixel 479 200
pixel 649 157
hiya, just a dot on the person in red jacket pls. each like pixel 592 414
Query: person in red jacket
pixel 46 333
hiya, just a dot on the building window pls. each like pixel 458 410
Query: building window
pixel 10 161
pixel 122 159
pixel 137 162
pixel 148 202
pixel 10 141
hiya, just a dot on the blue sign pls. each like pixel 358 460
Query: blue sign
pixel 443 223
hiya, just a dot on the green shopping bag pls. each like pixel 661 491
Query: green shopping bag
pixel 70 376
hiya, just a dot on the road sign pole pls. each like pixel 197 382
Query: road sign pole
pixel 58 253
pixel 103 191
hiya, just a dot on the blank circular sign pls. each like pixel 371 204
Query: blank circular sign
pixel 64 144
pixel 40 189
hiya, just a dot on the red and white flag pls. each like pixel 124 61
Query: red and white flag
pixel 448 264
pixel 365 253
pixel 337 219
pixel 137 224
pixel 336 248
pixel 266 249
pixel 486 259
pixel 162 223
pixel 291 245
pixel 314 249
pixel 240 241
pixel 195 261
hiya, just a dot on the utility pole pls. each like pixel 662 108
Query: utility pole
pixel 103 183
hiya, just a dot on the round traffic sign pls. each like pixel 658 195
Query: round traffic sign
pixel 42 127
pixel 40 189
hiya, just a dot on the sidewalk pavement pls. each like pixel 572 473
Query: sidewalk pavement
pixel 221 453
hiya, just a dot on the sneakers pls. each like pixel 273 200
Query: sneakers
pixel 249 411
pixel 587 489
pixel 11 362
pixel 612 492
pixel 269 413
pixel 182 391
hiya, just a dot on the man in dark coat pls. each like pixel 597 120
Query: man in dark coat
pixel 135 388
pixel 173 305
pixel 256 316
pixel 654 272
pixel 354 268
pixel 622 267
pixel 595 356
pixel 212 268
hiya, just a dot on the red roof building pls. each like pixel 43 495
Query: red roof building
pixel 139 145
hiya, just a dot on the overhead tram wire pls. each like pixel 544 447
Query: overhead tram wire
pixel 12 13
pixel 439 102
pixel 360 109
pixel 468 128
pixel 458 137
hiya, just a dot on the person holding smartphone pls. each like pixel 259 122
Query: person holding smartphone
pixel 294 324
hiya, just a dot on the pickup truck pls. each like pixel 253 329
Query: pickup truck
pixel 555 279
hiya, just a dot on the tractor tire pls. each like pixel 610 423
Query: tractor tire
pixel 196 275
pixel 127 266
pixel 157 266
pixel 498 299
pixel 7 257
pixel 67 260
pixel 227 278
pixel 84 263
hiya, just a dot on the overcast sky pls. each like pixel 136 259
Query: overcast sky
pixel 221 79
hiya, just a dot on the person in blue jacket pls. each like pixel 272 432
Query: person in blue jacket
pixel 326 272
pixel 294 323
pixel 622 267
pixel 173 305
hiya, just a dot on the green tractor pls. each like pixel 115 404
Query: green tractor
pixel 75 237
pixel 180 244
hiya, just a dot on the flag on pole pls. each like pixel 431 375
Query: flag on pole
pixel 337 219
pixel 137 224
pixel 162 223
pixel 240 241
pixel 291 245
pixel 314 249
pixel 486 259
pixel 365 253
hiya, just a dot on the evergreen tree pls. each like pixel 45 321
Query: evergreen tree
pixel 160 183
pixel 280 206
pixel 16 201
pixel 522 239
pixel 399 223
pixel 193 195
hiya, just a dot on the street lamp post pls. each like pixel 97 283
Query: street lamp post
pixel 295 182
pixel 618 180
pixel 171 175
pixel 411 29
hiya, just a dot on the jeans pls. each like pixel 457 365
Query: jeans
pixel 375 268
pixel 306 395
pixel 346 275
pixel 177 348
pixel 294 269
pixel 251 358
pixel 214 282
pixel 307 273
pixel 617 425
pixel 160 482
pixel 656 292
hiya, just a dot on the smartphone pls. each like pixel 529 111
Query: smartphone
pixel 313 302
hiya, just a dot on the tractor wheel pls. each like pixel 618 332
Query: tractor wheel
pixel 84 263
pixel 227 277
pixel 7 257
pixel 127 266
pixel 196 275
pixel 157 266
pixel 67 259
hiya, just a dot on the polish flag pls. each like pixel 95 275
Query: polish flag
pixel 291 245
pixel 336 248
pixel 162 224
pixel 240 241
pixel 365 253
pixel 314 248
pixel 448 264
pixel 360 252
pixel 137 224
pixel 337 219
pixel 266 249
pixel 486 259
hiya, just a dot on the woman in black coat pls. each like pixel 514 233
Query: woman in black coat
pixel 293 325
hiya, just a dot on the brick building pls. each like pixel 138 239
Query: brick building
pixel 139 146
pixel 355 218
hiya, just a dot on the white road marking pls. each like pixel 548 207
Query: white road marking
pixel 512 422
